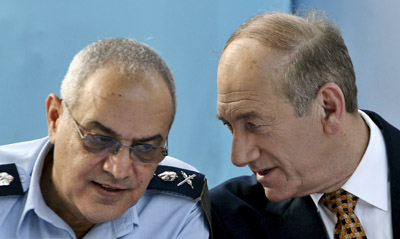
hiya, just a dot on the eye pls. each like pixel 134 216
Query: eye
pixel 227 124
pixel 147 153
pixel 103 140
pixel 146 148
pixel 252 126
pixel 97 143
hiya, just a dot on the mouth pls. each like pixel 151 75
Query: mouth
pixel 109 188
pixel 265 171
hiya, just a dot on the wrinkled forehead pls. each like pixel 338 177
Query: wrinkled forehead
pixel 246 64
pixel 108 88
pixel 126 105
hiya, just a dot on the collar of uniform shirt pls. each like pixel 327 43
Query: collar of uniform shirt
pixel 369 181
pixel 35 199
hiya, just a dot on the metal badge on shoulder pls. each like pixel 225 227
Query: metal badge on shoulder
pixel 178 180
pixel 5 179
pixel 168 176
pixel 190 183
pixel 188 179
pixel 10 183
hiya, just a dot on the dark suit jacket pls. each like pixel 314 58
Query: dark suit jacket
pixel 241 210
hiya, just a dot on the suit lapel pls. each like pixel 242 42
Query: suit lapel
pixel 302 220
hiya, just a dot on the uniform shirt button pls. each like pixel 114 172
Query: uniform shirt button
pixel 23 178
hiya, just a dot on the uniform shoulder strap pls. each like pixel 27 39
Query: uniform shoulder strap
pixel 186 182
pixel 178 180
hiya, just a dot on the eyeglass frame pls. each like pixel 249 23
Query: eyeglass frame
pixel 164 149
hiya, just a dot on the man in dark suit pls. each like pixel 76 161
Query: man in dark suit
pixel 322 167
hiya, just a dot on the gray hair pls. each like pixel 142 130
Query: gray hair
pixel 316 51
pixel 128 54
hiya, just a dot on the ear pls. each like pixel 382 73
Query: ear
pixel 331 99
pixel 54 113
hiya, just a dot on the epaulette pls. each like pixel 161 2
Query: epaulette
pixel 10 183
pixel 186 182
pixel 178 180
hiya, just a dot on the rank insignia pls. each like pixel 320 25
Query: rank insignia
pixel 188 179
pixel 5 179
pixel 166 177
pixel 191 184
pixel 10 183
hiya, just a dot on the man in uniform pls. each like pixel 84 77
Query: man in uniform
pixel 97 174
pixel 322 167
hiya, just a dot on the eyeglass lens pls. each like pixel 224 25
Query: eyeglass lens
pixel 102 145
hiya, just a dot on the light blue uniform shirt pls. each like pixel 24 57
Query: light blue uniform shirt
pixel 158 214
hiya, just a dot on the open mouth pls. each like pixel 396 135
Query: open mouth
pixel 108 188
pixel 265 172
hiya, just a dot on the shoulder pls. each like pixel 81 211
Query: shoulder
pixel 178 178
pixel 23 154
pixel 174 162
pixel 241 192
pixel 239 187
pixel 391 136
pixel 385 126
pixel 175 200
pixel 244 192
pixel 248 213
pixel 16 164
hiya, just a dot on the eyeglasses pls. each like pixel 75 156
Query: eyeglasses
pixel 105 146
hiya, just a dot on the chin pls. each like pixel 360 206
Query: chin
pixel 275 195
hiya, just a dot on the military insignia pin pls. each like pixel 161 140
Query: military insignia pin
pixel 168 176
pixel 188 179
pixel 5 179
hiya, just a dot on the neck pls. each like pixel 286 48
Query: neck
pixel 56 202
pixel 353 143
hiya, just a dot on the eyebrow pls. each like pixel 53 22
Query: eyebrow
pixel 97 125
pixel 247 115
pixel 219 117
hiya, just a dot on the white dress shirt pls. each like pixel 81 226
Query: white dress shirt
pixel 370 183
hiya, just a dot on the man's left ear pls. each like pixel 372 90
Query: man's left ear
pixel 54 113
pixel 331 99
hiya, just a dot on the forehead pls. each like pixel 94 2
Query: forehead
pixel 114 78
pixel 246 63
pixel 117 101
pixel 249 77
pixel 108 84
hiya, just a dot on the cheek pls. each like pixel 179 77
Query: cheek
pixel 142 178
pixel 73 163
pixel 145 173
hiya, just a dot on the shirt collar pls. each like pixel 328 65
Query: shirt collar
pixel 372 171
pixel 35 199
pixel 127 222
pixel 117 228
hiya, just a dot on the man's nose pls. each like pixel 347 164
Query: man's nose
pixel 119 164
pixel 244 149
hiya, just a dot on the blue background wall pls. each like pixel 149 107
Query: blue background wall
pixel 39 38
